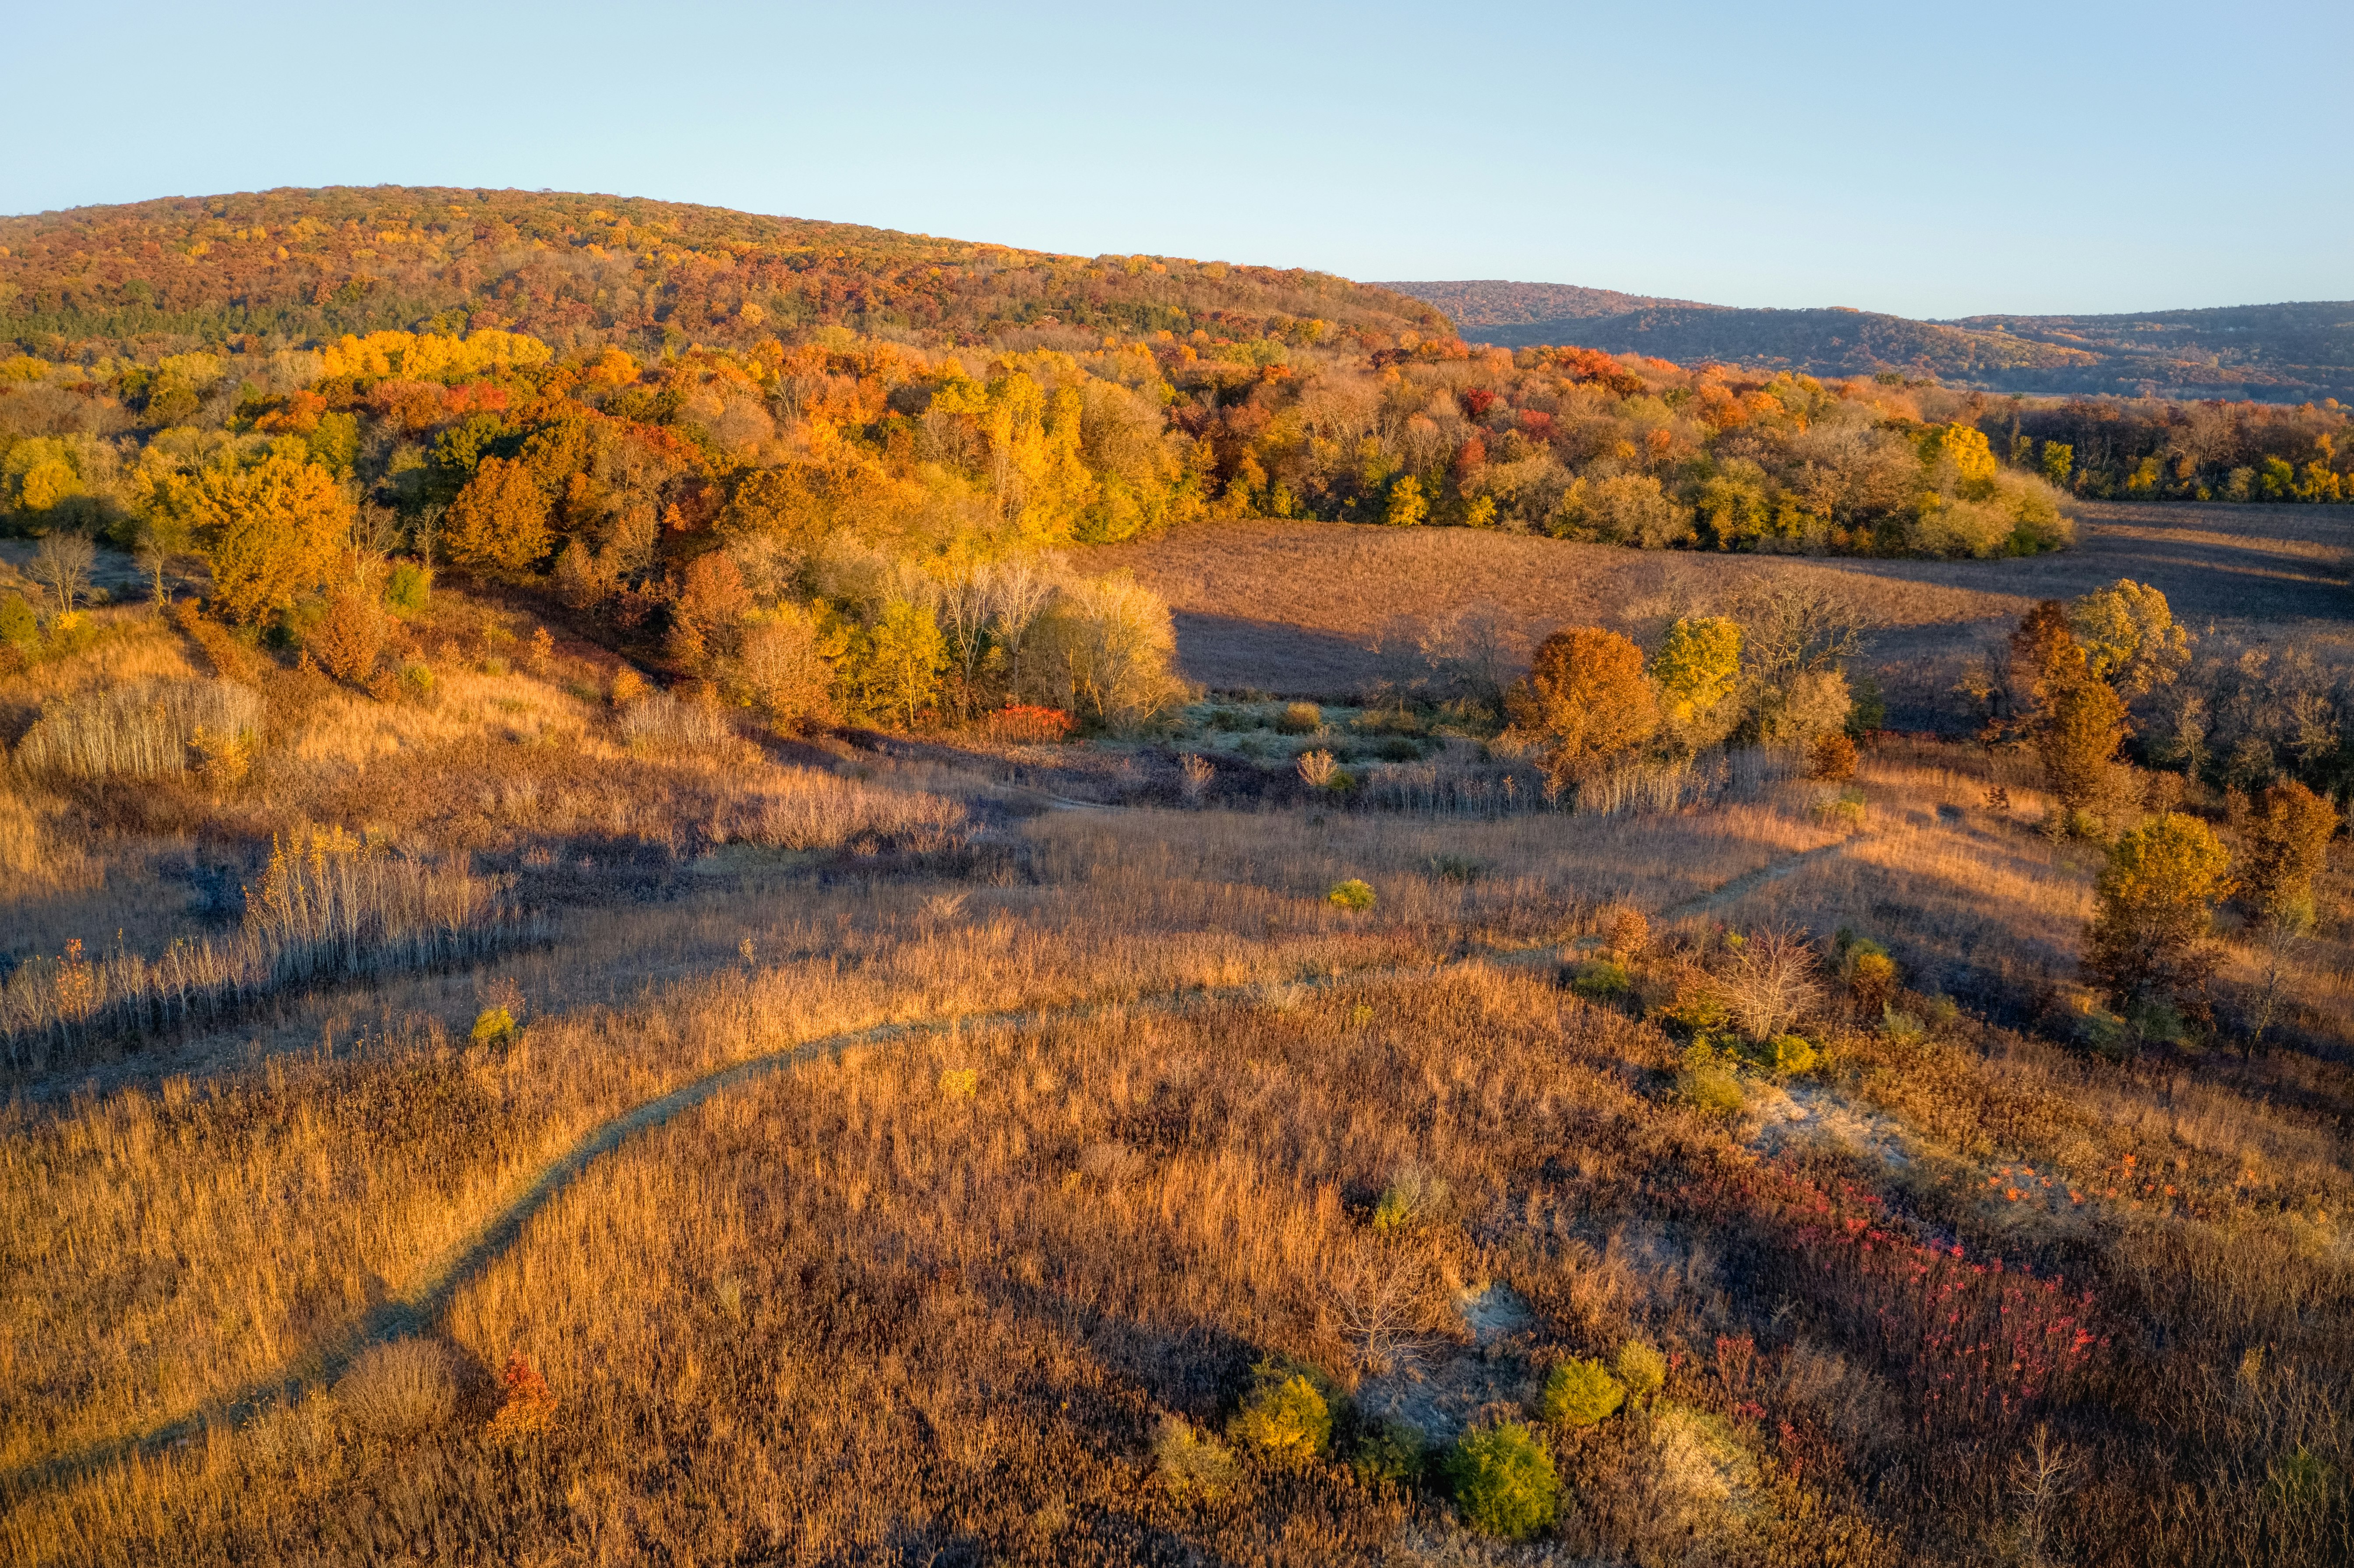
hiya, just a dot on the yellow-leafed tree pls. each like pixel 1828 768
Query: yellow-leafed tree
pixel 270 531
pixel 500 519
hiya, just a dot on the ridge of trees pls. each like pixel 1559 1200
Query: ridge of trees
pixel 2283 352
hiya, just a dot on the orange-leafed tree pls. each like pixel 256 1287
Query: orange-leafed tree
pixel 500 519
pixel 712 600
pixel 1585 702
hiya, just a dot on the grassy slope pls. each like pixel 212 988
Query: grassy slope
pixel 1299 607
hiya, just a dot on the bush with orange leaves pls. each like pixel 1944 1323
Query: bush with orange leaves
pixel 527 1405
pixel 1019 723
pixel 1586 701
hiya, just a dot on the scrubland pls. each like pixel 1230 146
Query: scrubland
pixel 862 1150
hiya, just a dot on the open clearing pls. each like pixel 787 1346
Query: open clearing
pixel 1297 608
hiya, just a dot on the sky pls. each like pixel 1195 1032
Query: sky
pixel 1929 162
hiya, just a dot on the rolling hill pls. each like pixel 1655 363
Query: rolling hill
pixel 2288 353
pixel 571 268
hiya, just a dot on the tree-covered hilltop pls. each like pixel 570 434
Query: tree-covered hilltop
pixel 292 266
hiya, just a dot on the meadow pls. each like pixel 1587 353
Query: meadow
pixel 506 1123
pixel 1307 609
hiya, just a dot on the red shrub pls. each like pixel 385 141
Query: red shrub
pixel 1018 724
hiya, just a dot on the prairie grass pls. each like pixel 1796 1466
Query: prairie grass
pixel 1299 607
pixel 633 1278
pixel 143 730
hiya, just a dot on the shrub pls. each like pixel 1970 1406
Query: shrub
pixel 1301 718
pixel 1412 1198
pixel 1707 1087
pixel 493 1026
pixel 1831 759
pixel 1284 1417
pixel 527 1405
pixel 1847 810
pixel 399 1389
pixel 1641 1368
pixel 417 682
pixel 1351 895
pixel 19 626
pixel 1319 771
pixel 1503 1480
pixel 1871 973
pixel 1580 1393
pixel 1698 1014
pixel 1460 868
pixel 1788 1055
pixel 959 1084
pixel 409 587
pixel 1190 1463
pixel 1630 935
pixel 628 687
pixel 1019 723
pixel 1388 1451
pixel 1602 982
pixel 349 640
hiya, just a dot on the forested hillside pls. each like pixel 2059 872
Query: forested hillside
pixel 797 461
pixel 573 269
pixel 2271 353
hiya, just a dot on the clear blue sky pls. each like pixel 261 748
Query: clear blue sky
pixel 1926 159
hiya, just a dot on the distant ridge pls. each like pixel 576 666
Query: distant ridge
pixel 1493 302
pixel 2281 353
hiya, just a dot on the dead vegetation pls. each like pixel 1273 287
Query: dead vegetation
pixel 1163 1208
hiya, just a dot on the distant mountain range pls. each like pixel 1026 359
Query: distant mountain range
pixel 2287 352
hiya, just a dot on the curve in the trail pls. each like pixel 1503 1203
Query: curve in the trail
pixel 416 1309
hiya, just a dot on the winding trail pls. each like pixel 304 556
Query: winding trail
pixel 416 1309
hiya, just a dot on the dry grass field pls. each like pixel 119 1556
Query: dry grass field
pixel 1299 608
pixel 822 1152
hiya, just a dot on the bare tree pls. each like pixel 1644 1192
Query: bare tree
pixel 427 531
pixel 153 553
pixel 1771 982
pixel 1788 631
pixel 2040 1477
pixel 1383 1302
pixel 967 601
pixel 62 565
pixel 1019 594
pixel 374 534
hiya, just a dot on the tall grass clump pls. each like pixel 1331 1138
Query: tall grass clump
pixel 663 721
pixel 146 730
pixel 327 908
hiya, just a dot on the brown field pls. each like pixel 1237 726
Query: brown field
pixel 1297 608
pixel 898 1158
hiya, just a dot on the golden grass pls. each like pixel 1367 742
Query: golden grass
pixel 1297 606
pixel 931 1297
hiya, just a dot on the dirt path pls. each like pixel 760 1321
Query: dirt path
pixel 1742 887
pixel 418 1308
